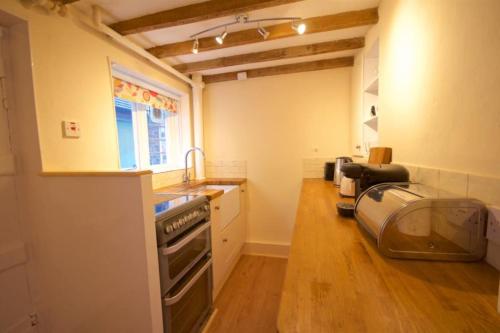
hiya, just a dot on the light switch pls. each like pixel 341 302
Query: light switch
pixel 71 129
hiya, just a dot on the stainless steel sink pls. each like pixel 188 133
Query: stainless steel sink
pixel 168 196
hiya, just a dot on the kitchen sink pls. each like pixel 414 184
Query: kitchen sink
pixel 225 188
pixel 168 196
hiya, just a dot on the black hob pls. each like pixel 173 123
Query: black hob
pixel 163 207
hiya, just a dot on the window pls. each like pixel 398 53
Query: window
pixel 152 124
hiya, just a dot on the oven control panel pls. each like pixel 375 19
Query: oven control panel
pixel 177 219
pixel 186 219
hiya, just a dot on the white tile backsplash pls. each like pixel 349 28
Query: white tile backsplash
pixel 486 189
pixel 315 167
pixel 493 254
pixel 226 169
pixel 412 169
pixel 453 182
pixel 427 176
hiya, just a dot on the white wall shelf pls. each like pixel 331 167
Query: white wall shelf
pixel 370 97
pixel 372 87
pixel 372 122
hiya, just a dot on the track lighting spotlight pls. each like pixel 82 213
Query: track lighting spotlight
pixel 220 39
pixel 263 32
pixel 300 28
pixel 196 46
pixel 295 21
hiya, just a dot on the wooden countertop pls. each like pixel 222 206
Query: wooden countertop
pixel 337 281
pixel 195 187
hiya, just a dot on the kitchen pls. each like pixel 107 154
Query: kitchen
pixel 290 88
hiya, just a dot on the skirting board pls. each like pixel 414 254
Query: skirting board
pixel 267 249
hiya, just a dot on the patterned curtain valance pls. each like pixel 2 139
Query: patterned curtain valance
pixel 134 93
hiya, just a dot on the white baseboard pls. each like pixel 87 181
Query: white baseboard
pixel 267 249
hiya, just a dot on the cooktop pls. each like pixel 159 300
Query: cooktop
pixel 165 206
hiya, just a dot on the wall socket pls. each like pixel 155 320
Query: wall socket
pixel 71 129
pixel 493 233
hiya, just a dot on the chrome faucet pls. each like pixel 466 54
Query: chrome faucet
pixel 185 178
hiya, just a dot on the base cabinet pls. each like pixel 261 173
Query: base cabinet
pixel 227 242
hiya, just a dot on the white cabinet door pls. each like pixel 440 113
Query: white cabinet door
pixel 228 239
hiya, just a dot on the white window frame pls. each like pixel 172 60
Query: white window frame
pixel 175 160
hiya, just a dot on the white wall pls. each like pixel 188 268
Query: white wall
pixel 439 78
pixel 439 83
pixel 49 261
pixel 272 123
pixel 72 82
pixel 96 255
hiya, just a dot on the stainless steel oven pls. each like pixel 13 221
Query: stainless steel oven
pixel 184 255
pixel 189 303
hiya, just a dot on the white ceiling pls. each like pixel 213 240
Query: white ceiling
pixel 118 10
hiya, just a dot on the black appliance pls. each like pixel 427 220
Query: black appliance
pixel 329 170
pixel 368 175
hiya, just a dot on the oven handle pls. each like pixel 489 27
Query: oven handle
pixel 174 299
pixel 192 235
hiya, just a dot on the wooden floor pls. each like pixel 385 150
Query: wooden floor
pixel 250 298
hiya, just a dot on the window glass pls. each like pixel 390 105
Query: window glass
pixel 153 122
pixel 125 127
pixel 157 136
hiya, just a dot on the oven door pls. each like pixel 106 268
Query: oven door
pixel 187 306
pixel 181 254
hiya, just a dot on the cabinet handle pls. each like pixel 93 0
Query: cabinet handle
pixel 242 191
pixel 217 208
pixel 224 240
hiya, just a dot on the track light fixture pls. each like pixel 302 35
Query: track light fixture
pixel 244 19
pixel 196 46
pixel 220 39
pixel 263 32
pixel 299 27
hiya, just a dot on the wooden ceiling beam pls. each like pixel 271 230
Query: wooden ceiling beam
pixel 283 69
pixel 276 54
pixel 193 13
pixel 283 30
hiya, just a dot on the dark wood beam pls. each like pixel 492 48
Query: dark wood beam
pixel 193 13
pixel 276 54
pixel 283 30
pixel 284 69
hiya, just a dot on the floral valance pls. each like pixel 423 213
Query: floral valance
pixel 134 93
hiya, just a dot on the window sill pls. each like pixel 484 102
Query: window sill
pixel 169 169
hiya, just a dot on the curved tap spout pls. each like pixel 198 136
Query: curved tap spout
pixel 185 178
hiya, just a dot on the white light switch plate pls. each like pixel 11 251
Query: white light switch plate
pixel 71 129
